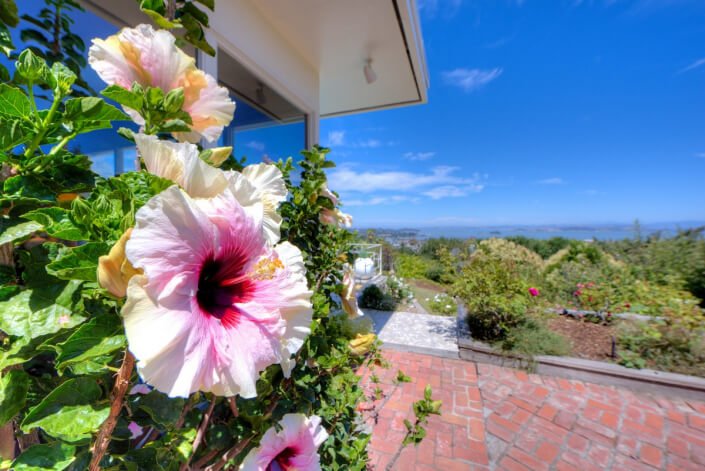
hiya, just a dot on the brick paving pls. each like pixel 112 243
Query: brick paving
pixel 496 418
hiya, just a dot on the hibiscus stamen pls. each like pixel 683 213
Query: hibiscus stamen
pixel 266 268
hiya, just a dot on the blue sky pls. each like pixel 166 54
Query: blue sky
pixel 539 112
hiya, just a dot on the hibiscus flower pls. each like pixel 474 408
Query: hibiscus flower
pixel 294 448
pixel 216 304
pixel 181 163
pixel 152 59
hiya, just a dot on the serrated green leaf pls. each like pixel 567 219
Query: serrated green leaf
pixel 70 412
pixel 13 102
pixel 91 113
pixel 174 125
pixel 79 263
pixel 54 456
pixel 125 97
pixel 27 186
pixel 13 229
pixel 101 336
pixel 13 391
pixel 56 223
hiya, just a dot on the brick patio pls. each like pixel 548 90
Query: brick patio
pixel 505 419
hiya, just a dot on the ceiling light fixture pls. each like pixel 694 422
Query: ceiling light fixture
pixel 259 94
pixel 370 74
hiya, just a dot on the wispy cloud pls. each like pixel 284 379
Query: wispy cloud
pixel 499 42
pixel 471 79
pixel 551 181
pixel 382 200
pixel 419 155
pixel 256 145
pixel 336 138
pixel 371 143
pixel 446 191
pixel 590 192
pixel 447 8
pixel 692 66
pixel 701 155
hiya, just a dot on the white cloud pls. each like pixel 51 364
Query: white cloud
pixel 372 143
pixel 382 200
pixel 336 138
pixel 256 145
pixel 442 178
pixel 471 79
pixel 701 155
pixel 692 66
pixel 453 191
pixel 551 181
pixel 419 155
pixel 590 192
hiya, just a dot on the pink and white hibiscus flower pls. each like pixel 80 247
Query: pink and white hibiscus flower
pixel 152 59
pixel 182 164
pixel 295 448
pixel 335 216
pixel 216 304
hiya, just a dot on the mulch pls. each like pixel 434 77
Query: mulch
pixel 589 340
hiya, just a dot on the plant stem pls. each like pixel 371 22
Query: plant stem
pixel 230 454
pixel 116 402
pixel 62 143
pixel 44 127
pixel 199 435
pixel 233 406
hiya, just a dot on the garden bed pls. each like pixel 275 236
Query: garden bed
pixel 589 370
pixel 588 340
pixel 425 291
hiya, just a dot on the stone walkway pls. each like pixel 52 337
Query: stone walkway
pixel 423 333
pixel 498 418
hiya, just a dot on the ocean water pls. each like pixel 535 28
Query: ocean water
pixel 540 233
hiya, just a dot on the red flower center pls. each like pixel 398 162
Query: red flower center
pixel 282 462
pixel 223 283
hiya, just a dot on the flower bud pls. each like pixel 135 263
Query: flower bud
pixel 362 344
pixel 114 270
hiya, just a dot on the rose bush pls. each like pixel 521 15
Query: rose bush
pixel 176 318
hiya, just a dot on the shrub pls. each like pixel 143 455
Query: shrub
pixel 544 247
pixel 532 337
pixel 506 250
pixel 374 298
pixel 398 289
pixel 495 295
pixel 434 273
pixel 410 266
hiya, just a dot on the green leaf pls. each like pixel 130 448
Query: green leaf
pixel 27 186
pixel 8 13
pixel 79 263
pixel 14 229
pixel 33 313
pixel 101 336
pixel 155 95
pixel 125 97
pixel 63 78
pixel 69 412
pixel 194 11
pixel 210 4
pixel 13 102
pixel 57 223
pixel 91 113
pixel 54 456
pixel 160 407
pixel 159 20
pixel 13 391
pixel 13 132
pixel 174 125
pixel 427 392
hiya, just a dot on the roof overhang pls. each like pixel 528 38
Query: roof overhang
pixel 313 52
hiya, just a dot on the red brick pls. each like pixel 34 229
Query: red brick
pixel 512 465
pixel 504 423
pixel 474 456
pixel 565 419
pixel 677 446
pixel 676 416
pixel 477 430
pixel 600 455
pixel 547 412
pixel 523 404
pixel 563 466
pixel 444 444
pixel 577 444
pixel 500 432
pixel 654 421
pixel 651 455
pixel 450 465
pixel 522 376
pixel 609 420
pixel 603 406
pixel 696 422
pixel 521 416
pixel 592 413
pixel 547 452
pixel 528 460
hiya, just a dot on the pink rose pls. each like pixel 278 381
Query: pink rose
pixel 533 291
